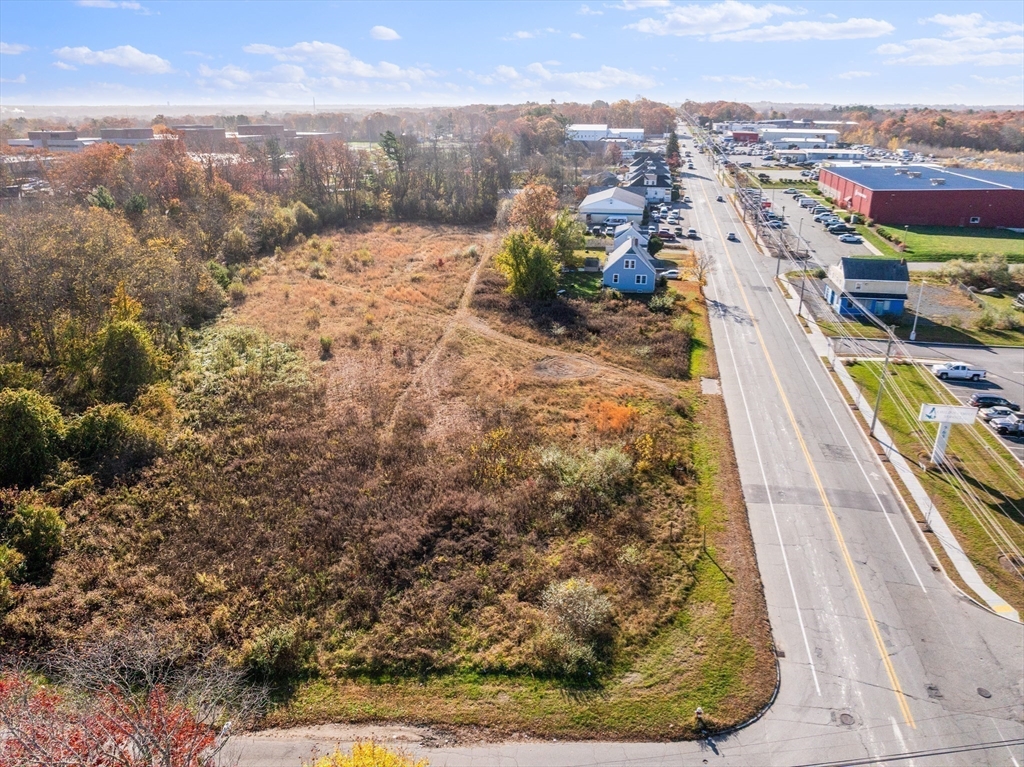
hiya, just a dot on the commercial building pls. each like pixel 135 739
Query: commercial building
pixel 820 155
pixel 923 195
pixel 612 203
pixel 601 132
pixel 783 137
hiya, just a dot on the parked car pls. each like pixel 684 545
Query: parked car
pixel 990 413
pixel 691 233
pixel 823 216
pixel 687 199
pixel 1010 428
pixel 850 239
pixel 791 190
pixel 732 237
pixel 777 224
pixel 805 173
pixel 840 228
pixel 958 371
pixel 991 400
pixel 666 237
pixel 671 274
pixel 817 211
pixel 1018 302
pixel 722 199
pixel 678 231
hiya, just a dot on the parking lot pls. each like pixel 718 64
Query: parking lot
pixel 824 248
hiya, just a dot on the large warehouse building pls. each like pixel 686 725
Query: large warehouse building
pixel 923 195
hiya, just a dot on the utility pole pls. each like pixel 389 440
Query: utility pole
pixel 800 236
pixel 803 284
pixel 881 385
pixel 917 311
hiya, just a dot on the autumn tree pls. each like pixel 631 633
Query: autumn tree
pixel 529 264
pixel 534 208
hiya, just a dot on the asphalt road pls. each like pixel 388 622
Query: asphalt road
pixel 878 653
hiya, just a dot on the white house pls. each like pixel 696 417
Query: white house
pixel 629 268
pixel 628 231
pixel 612 202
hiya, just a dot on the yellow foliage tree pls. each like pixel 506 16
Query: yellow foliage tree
pixel 368 754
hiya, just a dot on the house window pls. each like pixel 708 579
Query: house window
pixel 615 278
pixel 641 279
pixel 629 263
pixel 975 219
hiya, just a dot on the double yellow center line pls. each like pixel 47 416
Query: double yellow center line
pixel 901 697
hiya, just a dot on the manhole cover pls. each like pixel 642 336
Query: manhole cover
pixel 847 718
pixel 984 693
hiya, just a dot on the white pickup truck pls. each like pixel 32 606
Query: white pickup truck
pixel 957 370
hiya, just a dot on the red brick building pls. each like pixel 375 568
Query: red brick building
pixel 920 195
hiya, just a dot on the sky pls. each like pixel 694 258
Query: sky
pixel 141 52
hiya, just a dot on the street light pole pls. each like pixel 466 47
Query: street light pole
pixel 906 235
pixel 803 284
pixel 881 386
pixel 917 312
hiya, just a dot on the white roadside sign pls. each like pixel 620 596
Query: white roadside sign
pixel 947 414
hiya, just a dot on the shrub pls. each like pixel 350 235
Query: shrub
pixel 276 654
pixel 367 754
pixel 32 430
pixel 128 360
pixel 306 219
pixel 237 292
pixel 35 532
pixel 326 342
pixel 14 375
pixel 236 246
pixel 220 273
pixel 577 608
pixel 317 271
pixel 662 304
pixel 986 320
pixel 108 441
pixel 563 654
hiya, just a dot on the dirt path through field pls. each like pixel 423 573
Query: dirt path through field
pixel 554 363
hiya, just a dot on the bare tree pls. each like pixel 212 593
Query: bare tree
pixel 703 263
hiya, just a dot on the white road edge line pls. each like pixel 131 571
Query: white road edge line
pixel 846 439
pixel 771 504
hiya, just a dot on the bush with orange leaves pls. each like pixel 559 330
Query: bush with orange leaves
pixel 368 754
pixel 610 417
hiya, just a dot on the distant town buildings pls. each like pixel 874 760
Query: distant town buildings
pixel 598 132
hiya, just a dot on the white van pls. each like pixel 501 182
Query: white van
pixel 615 220
pixel 808 202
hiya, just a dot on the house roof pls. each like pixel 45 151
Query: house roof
pixel 887 178
pixel 616 193
pixel 876 269
pixel 626 248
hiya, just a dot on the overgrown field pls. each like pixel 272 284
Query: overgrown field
pixel 366 497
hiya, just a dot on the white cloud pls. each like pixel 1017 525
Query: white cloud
pixel 65 66
pixel 967 39
pixel 576 36
pixel 972 25
pixel 334 60
pixel 538 76
pixel 16 80
pixel 851 29
pixel 12 49
pixel 124 56
pixel 855 74
pixel 531 34
pixel 232 77
pixel 384 33
pixel 586 10
pixel 1011 80
pixel 198 54
pixel 632 5
pixel 757 82
pixel 705 20
pixel 127 5
pixel 937 51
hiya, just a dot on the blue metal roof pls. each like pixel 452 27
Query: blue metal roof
pixel 882 179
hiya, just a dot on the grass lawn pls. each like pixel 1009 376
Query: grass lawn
pixel 985 465
pixel 888 251
pixel 581 284
pixel 939 243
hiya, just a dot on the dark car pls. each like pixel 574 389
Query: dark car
pixel 991 400
pixel 1011 428
pixel 841 229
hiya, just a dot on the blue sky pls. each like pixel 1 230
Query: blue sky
pixel 96 52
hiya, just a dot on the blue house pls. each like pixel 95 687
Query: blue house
pixel 879 285
pixel 629 268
